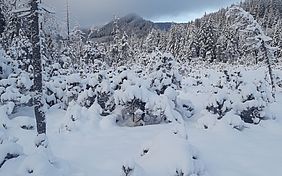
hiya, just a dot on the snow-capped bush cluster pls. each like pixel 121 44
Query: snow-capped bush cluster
pixel 179 158
pixel 145 94
pixel 137 97
pixel 233 94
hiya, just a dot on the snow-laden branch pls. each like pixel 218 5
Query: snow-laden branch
pixel 22 10
pixel 46 8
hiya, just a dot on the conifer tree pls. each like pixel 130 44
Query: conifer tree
pixel 208 41
pixel 2 22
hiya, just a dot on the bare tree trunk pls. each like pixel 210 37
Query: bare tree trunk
pixel 270 72
pixel 37 69
pixel 68 20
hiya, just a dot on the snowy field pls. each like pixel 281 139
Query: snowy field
pixel 201 145
pixel 102 149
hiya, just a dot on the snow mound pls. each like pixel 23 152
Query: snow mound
pixel 40 163
pixel 168 154
pixel 24 122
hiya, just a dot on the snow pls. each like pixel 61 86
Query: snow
pixel 195 126
pixel 118 110
pixel 97 145
pixel 254 151
pixel 104 149
pixel 168 153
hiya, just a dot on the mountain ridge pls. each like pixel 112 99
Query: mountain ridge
pixel 132 24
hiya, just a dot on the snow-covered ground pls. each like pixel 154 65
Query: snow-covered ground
pixel 102 149
pixel 255 151
pixel 202 145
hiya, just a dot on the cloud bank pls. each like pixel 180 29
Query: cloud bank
pixel 93 12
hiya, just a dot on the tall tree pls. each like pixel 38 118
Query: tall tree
pixel 37 67
pixel 255 39
pixel 114 50
pixel 208 41
pixel 2 22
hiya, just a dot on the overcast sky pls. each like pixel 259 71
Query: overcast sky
pixel 97 12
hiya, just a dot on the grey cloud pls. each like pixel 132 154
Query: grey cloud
pixel 88 12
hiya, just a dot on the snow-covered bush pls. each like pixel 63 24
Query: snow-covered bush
pixel 105 97
pixel 6 65
pixel 254 100
pixel 164 74
pixel 219 104
pixel 140 105
pixel 15 83
pixel 9 149
pixel 185 107
pixel 168 154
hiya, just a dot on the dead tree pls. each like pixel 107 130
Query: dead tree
pixel 37 68
pixel 268 56
pixel 33 13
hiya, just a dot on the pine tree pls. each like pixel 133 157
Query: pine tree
pixel 21 51
pixel 176 41
pixel 208 41
pixel 76 47
pixel 89 52
pixel 12 23
pixel 256 40
pixel 152 41
pixel 194 48
pixel 277 38
pixel 114 51
pixel 2 22
pixel 231 52
pixel 126 52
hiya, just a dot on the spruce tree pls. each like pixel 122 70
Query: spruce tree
pixel 2 22
pixel 208 41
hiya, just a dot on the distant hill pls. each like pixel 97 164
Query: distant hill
pixel 163 26
pixel 132 24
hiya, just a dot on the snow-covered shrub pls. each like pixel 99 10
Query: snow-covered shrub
pixel 279 82
pixel 164 74
pixel 6 110
pixel 234 120
pixel 134 112
pixel 235 80
pixel 252 113
pixel 73 117
pixel 42 163
pixel 127 170
pixel 105 97
pixel 254 99
pixel 88 93
pixel 219 104
pixel 55 91
pixel 6 65
pixel 185 107
pixel 140 105
pixel 24 122
pixel 207 120
pixel 131 98
pixel 21 51
pixel 16 89
pixel 9 149
pixel 73 87
pixel 169 154
pixel 15 83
